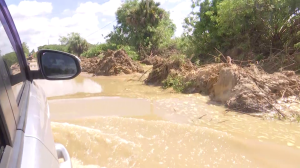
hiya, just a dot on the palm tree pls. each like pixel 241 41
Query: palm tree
pixel 75 43
pixel 147 13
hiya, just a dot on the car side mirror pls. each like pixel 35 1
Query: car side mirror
pixel 56 65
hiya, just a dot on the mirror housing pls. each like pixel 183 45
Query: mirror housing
pixel 56 65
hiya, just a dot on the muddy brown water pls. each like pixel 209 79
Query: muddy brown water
pixel 119 122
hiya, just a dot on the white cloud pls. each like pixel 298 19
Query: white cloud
pixel 5 45
pixel 31 8
pixel 108 8
pixel 174 1
pixel 67 12
pixel 179 10
pixel 161 1
pixel 179 13
pixel 36 28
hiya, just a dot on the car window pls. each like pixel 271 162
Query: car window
pixel 11 62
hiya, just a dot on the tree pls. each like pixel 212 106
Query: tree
pixel 10 58
pixel 142 25
pixel 54 47
pixel 25 48
pixel 75 44
pixel 33 53
pixel 256 26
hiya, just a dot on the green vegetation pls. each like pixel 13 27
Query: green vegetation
pixel 54 47
pixel 97 49
pixel 240 27
pixel 177 83
pixel 74 43
pixel 298 118
pixel 25 48
pixel 250 30
pixel 33 53
pixel 178 57
pixel 10 58
pixel 143 26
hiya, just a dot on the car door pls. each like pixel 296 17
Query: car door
pixel 28 140
pixel 13 81
pixel 7 124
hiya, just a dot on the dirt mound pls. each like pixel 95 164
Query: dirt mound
pixel 251 89
pixel 89 64
pixel 152 60
pixel 163 69
pixel 248 89
pixel 113 63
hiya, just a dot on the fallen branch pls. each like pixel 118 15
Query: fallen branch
pixel 222 121
pixel 221 54
pixel 283 93
pixel 144 74
pixel 278 111
pixel 202 116
pixel 282 68
pixel 216 57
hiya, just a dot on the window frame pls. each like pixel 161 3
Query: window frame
pixel 13 127
pixel 22 76
pixel 17 45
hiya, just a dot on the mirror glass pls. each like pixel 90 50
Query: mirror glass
pixel 58 65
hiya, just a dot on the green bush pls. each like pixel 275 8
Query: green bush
pixel 256 26
pixel 178 57
pixel 97 49
pixel 131 53
pixel 177 83
pixel 94 51
pixel 297 45
pixel 10 58
pixel 56 47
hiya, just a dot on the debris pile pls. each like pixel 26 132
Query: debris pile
pixel 153 60
pixel 113 63
pixel 89 64
pixel 248 89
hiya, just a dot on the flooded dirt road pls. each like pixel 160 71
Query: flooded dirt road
pixel 119 122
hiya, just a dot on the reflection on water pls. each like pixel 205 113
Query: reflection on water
pixel 68 87
pixel 128 124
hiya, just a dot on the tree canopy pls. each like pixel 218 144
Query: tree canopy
pixel 143 25
pixel 261 27
pixel 74 43
pixel 54 47
pixel 25 48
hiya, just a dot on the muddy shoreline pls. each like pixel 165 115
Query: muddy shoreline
pixel 245 89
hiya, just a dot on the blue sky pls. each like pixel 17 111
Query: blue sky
pixel 41 21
